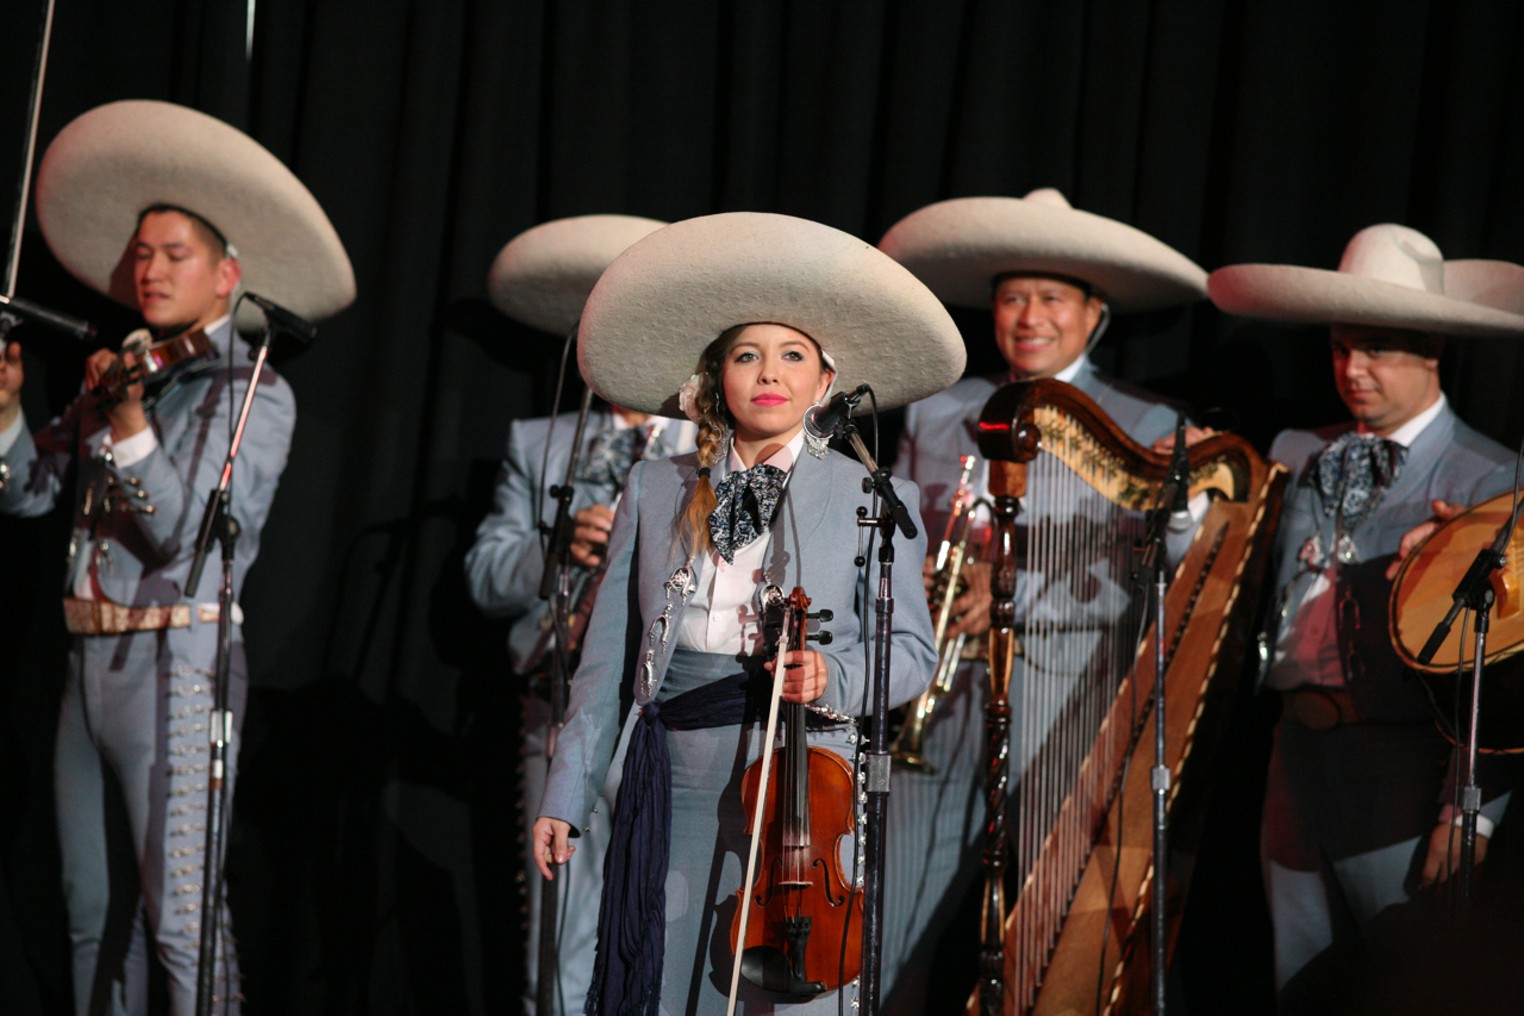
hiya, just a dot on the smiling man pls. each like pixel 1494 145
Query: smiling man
pixel 1355 815
pixel 131 761
pixel 1052 276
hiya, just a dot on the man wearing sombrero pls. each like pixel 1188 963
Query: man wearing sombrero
pixel 542 278
pixel 169 211
pixel 1354 816
pixel 1053 276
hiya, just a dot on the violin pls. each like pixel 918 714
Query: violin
pixel 791 931
pixel 155 361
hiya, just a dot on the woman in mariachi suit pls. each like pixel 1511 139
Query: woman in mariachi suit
pixel 775 311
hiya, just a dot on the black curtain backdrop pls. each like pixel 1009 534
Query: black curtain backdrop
pixel 372 847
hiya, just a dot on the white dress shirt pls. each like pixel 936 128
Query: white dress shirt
pixel 723 615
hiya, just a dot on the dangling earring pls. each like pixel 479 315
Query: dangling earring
pixel 814 444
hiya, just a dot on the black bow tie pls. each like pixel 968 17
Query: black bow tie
pixel 1352 473
pixel 746 501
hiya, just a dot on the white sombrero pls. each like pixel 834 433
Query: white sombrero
pixel 1390 277
pixel 114 161
pixel 671 294
pixel 543 276
pixel 957 247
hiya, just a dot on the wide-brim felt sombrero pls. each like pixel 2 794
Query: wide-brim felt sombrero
pixel 1391 276
pixel 957 247
pixel 112 162
pixel 668 296
pixel 543 276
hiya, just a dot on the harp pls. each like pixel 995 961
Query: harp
pixel 1072 677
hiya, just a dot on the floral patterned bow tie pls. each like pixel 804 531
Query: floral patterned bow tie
pixel 1352 473
pixel 612 455
pixel 746 503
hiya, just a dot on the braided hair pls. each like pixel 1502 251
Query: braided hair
pixel 714 426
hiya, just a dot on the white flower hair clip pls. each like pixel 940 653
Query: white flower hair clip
pixel 687 397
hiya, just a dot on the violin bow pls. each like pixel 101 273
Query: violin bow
pixel 29 151
pixel 761 808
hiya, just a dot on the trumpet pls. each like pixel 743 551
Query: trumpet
pixel 952 553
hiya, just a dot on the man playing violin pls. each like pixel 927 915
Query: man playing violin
pixel 1356 819
pixel 132 753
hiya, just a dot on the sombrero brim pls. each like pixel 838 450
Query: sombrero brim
pixel 958 246
pixel 112 162
pixel 543 276
pixel 1318 296
pixel 671 294
pixel 1497 284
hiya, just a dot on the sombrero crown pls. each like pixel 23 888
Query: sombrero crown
pixel 672 293
pixel 1390 277
pixel 543 276
pixel 114 161
pixel 957 247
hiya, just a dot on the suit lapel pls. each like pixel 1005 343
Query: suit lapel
pixel 809 501
pixel 1424 455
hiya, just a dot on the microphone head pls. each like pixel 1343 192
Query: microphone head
pixel 824 420
pixel 812 425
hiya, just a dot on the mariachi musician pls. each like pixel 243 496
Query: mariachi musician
pixel 768 314
pixel 1052 277
pixel 1356 817
pixel 167 210
pixel 542 278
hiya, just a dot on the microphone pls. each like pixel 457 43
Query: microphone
pixel 27 311
pixel 282 319
pixel 1180 476
pixel 824 422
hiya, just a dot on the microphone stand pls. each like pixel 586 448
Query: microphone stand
pixel 1474 592
pixel 892 515
pixel 1155 559
pixel 555 586
pixel 218 523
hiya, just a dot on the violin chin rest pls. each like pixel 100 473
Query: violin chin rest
pixel 769 969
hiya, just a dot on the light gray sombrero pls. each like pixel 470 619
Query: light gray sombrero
pixel 671 294
pixel 543 276
pixel 112 162
pixel 957 247
pixel 1391 276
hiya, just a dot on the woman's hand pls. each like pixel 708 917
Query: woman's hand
pixel 549 839
pixel 804 675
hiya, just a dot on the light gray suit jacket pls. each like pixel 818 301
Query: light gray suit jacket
pixel 504 565
pixel 143 557
pixel 1448 461
pixel 814 542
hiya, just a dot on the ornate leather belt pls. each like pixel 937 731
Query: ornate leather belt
pixel 102 617
pixel 1318 708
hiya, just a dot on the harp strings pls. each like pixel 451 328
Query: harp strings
pixel 1077 616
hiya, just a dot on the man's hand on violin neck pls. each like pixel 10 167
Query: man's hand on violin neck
pixel 126 412
pixel 11 377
